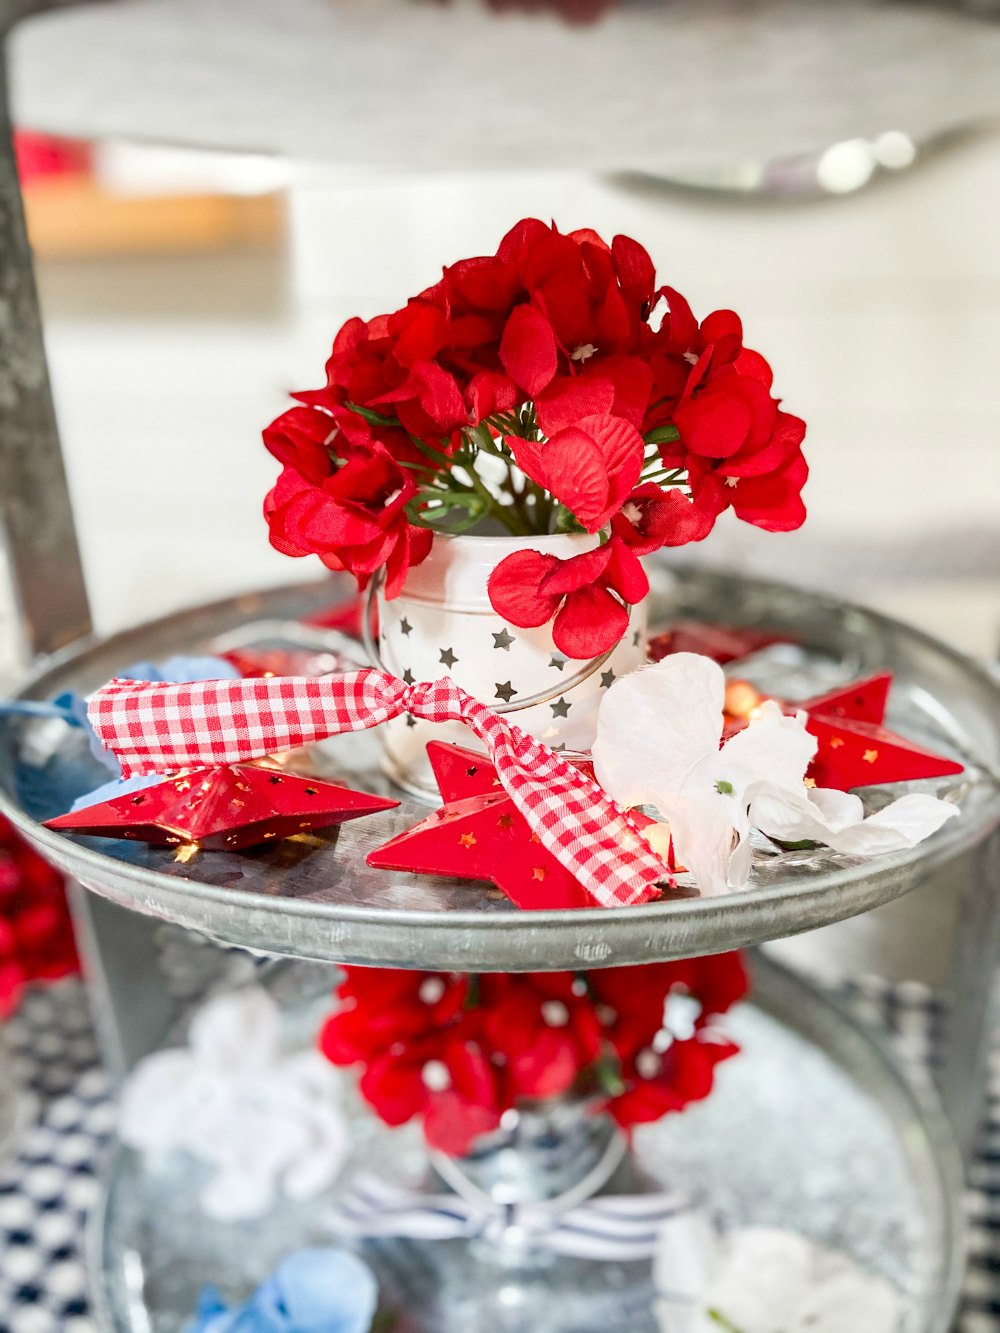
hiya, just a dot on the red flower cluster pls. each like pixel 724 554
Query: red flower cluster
pixel 458 1051
pixel 613 410
pixel 36 934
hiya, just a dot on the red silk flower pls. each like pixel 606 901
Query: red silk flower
pixel 586 594
pixel 590 468
pixel 353 517
pixel 36 933
pixel 458 1051
pixel 605 401
pixel 738 449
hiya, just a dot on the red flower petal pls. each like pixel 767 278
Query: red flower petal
pixel 579 571
pixel 623 450
pixel 715 424
pixel 723 326
pixel 528 349
pixel 569 399
pixel 452 1125
pixel 634 267
pixel 490 392
pixel 590 622
pixel 625 573
pixel 394 1088
pixel 574 470
pixel 513 589
pixel 299 438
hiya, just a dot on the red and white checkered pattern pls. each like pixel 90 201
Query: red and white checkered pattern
pixel 162 728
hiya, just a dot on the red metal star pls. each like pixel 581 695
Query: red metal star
pixel 480 834
pixel 722 643
pixel 231 806
pixel 855 749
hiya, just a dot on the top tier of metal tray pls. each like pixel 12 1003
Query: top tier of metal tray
pixel 378 84
pixel 322 902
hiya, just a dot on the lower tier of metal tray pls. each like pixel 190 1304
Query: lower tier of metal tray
pixel 812 1127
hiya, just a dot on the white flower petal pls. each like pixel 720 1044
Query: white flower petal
pixel 657 724
pixel 843 1299
pixel 763 1280
pixel 839 809
pixel 791 816
pixel 236 1103
pixel 704 837
pixel 238 1031
pixel 687 1257
pixel 156 1101
pixel 772 747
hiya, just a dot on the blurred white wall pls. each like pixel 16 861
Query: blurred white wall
pixel 880 313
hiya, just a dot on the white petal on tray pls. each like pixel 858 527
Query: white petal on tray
pixel 793 816
pixel 656 724
pixel 773 746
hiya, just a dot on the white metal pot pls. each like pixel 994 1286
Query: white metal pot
pixel 442 624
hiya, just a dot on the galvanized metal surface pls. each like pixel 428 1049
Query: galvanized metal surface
pixel 204 73
pixel 322 902
pixel 843 1149
pixel 35 512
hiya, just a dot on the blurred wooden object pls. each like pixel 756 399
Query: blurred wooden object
pixel 72 217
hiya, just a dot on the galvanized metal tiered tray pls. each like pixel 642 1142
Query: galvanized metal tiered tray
pixel 839 1147
pixel 317 899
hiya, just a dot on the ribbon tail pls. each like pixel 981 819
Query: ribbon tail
pixel 569 813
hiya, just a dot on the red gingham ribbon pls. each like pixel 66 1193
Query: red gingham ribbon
pixel 161 728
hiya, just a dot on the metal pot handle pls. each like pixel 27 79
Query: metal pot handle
pixel 532 700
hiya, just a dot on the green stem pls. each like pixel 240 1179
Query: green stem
pixel 717 1317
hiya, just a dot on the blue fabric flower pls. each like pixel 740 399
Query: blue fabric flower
pixel 312 1291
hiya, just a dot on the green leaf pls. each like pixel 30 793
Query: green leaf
pixel 662 435
pixel 717 1317
pixel 373 418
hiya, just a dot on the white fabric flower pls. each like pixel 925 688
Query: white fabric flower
pixel 657 745
pixel 265 1121
pixel 763 1281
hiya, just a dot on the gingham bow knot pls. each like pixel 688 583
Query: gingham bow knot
pixel 155 728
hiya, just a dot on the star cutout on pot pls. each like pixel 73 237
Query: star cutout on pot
pixel 226 807
pixel 405 627
pixel 607 679
pixel 556 661
pixel 505 691
pixel 480 834
pixel 447 658
pixel 409 677
pixel 560 708
pixel 855 749
pixel 503 640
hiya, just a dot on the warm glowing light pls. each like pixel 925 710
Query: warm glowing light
pixel 870 756
pixel 186 852
pixel 741 698
pixel 467 839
